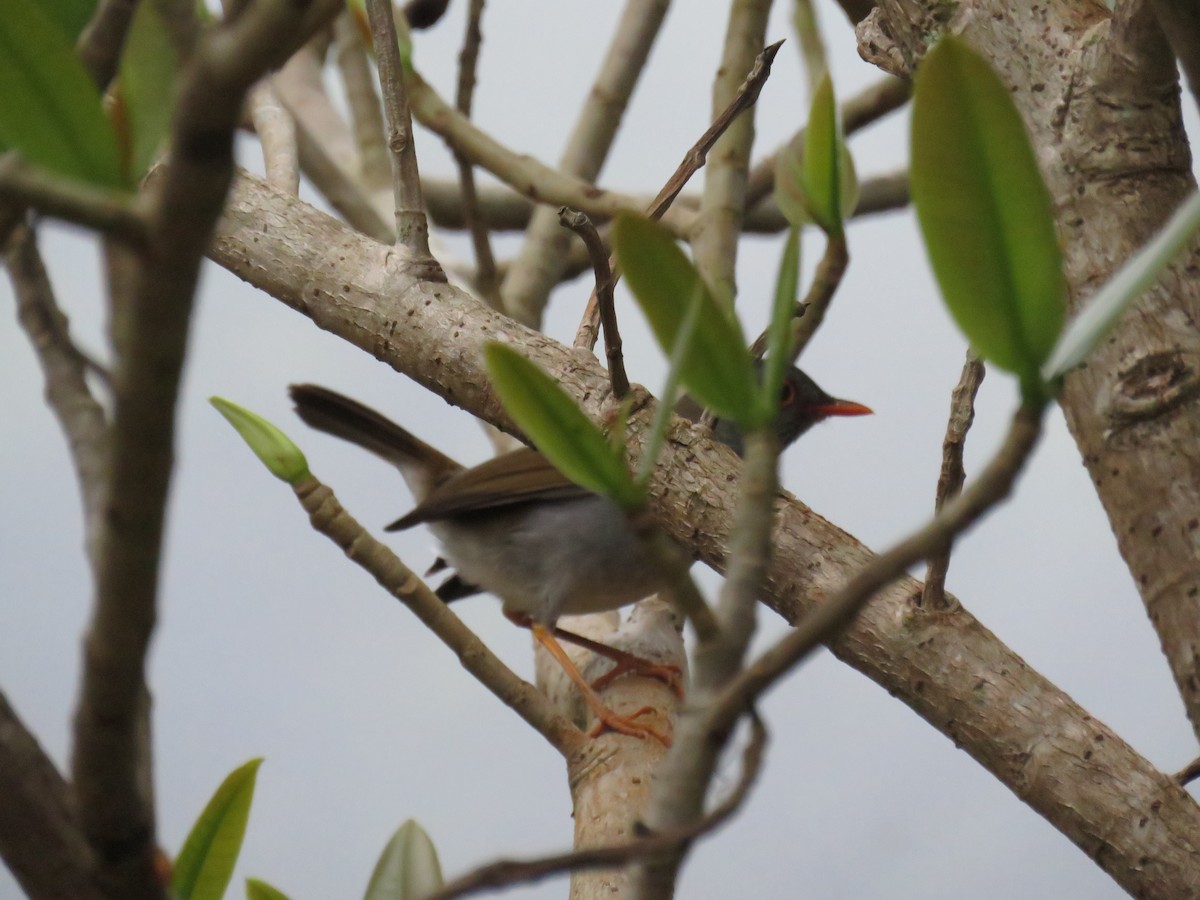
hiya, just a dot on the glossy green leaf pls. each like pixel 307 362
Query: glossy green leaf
pixel 558 427
pixel 50 110
pixel 70 15
pixel 829 183
pixel 985 212
pixel 260 890
pixel 206 862
pixel 717 370
pixel 408 868
pixel 779 335
pixel 818 185
pixel 149 69
pixel 1117 294
pixel 274 448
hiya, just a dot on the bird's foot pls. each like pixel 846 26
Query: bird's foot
pixel 607 719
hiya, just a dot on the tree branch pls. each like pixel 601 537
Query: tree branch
pixel 947 667
pixel 110 756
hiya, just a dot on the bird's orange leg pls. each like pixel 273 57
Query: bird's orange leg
pixel 605 716
pixel 669 675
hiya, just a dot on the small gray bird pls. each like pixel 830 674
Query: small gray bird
pixel 516 527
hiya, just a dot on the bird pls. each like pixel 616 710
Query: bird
pixel 518 528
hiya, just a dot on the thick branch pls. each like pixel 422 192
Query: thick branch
pixel 40 839
pixel 947 666
pixel 110 760
pixel 1099 95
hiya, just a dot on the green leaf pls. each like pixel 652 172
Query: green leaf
pixel 260 890
pixel 408 868
pixel 829 182
pixel 717 370
pixel 779 335
pixel 273 448
pixel 985 212
pixel 148 78
pixel 818 185
pixel 206 862
pixel 50 110
pixel 1117 294
pixel 558 428
pixel 70 15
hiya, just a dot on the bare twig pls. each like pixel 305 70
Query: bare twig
pixel 328 156
pixel 812 48
pixel 487 282
pixel 366 115
pixel 538 265
pixel 412 230
pixel 810 312
pixel 952 476
pixel 1188 773
pixel 503 209
pixel 111 212
pixel 869 106
pixel 582 226
pixel 277 133
pixel 719 228
pixel 524 174
pixel 64 367
pixel 100 43
pixel 826 280
pixel 681 783
pixel 332 520
pixel 992 486
pixel 510 872
pixel 111 764
pixel 746 96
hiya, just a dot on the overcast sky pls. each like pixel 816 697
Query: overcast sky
pixel 271 644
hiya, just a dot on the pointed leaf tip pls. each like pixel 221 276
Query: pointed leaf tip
pixel 274 448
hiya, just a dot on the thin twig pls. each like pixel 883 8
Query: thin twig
pixel 1188 773
pixel 111 212
pixel 991 487
pixel 747 95
pixel 277 134
pixel 812 48
pixel 714 243
pixel 682 781
pixel 539 263
pixel 362 101
pixel 486 281
pixel 952 475
pixel 100 43
pixel 810 312
pixel 509 872
pixel 330 519
pixel 869 106
pixel 582 226
pixel 412 230
pixel 64 367
pixel 520 171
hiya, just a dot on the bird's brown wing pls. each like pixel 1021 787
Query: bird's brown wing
pixel 509 480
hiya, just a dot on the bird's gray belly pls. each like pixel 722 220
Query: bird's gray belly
pixel 553 558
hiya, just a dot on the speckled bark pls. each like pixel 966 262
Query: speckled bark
pixel 1100 97
pixel 1131 819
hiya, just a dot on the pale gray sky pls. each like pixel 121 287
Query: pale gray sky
pixel 272 645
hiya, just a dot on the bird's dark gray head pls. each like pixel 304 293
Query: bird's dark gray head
pixel 802 404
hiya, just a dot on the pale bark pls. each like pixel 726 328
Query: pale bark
pixel 1099 94
pixel 1138 825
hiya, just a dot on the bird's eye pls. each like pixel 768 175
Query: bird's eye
pixel 787 394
